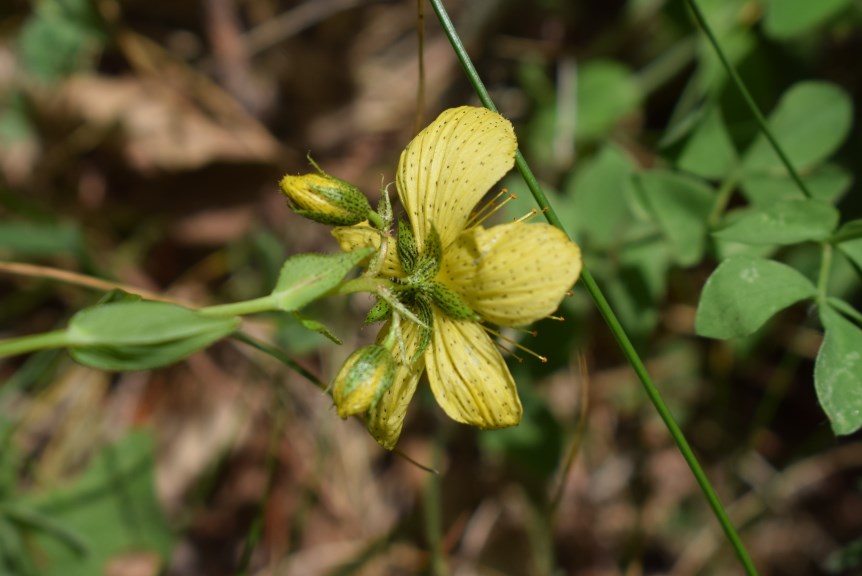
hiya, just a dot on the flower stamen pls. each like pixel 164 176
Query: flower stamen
pixel 515 344
pixel 526 217
pixel 489 208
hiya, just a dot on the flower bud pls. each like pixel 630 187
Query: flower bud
pixel 366 375
pixel 325 199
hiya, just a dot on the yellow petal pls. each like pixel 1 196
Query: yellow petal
pixel 468 377
pixel 512 274
pixel 362 235
pixel 450 165
pixel 386 419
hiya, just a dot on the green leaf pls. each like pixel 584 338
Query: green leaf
pixel 827 183
pixel 26 517
pixel 62 36
pixel 128 357
pixel 743 293
pixel 607 91
pixel 680 206
pixel 306 277
pixel 16 125
pixel 111 508
pixel 25 239
pixel 709 152
pixel 141 323
pixel 853 250
pixel 638 284
pixel 316 326
pixel 810 122
pixel 787 18
pixel 838 372
pixel 599 189
pixel 851 230
pixel 141 335
pixel 785 222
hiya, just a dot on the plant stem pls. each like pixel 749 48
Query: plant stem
pixel 363 284
pixel 280 356
pixel 845 308
pixel 32 343
pixel 433 524
pixel 725 192
pixel 746 95
pixel 262 304
pixel 605 310
pixel 376 220
pixel 825 272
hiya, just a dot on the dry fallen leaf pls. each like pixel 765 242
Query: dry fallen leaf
pixel 161 129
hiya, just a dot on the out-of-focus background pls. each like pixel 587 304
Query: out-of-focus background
pixel 141 142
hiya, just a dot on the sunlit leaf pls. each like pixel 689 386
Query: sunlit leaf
pixel 306 277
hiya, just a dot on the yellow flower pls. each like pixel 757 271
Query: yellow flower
pixel 456 274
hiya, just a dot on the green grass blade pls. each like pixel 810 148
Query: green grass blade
pixel 746 95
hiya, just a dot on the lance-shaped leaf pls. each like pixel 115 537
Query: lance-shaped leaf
pixel 306 277
pixel 140 323
pixel 141 335
pixel 743 293
pixel 838 372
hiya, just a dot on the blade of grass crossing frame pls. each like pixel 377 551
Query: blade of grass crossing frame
pixel 746 95
pixel 605 310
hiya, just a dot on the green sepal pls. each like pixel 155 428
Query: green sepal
pixel 381 310
pixel 363 379
pixel 423 311
pixel 451 303
pixel 408 254
pixel 384 208
pixel 428 264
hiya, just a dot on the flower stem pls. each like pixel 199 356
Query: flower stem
pixel 376 220
pixel 746 95
pixel 32 343
pixel 278 355
pixel 725 192
pixel 825 272
pixel 363 284
pixel 606 311
pixel 262 304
